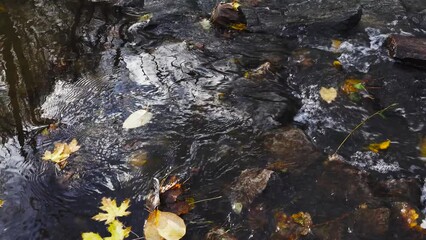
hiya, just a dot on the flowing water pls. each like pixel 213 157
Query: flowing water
pixel 88 65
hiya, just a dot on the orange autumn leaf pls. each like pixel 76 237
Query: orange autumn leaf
pixel 349 86
pixel 376 147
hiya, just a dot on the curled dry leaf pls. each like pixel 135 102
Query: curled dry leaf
pixel 328 94
pixel 376 147
pixel 111 210
pixel 153 197
pixel 137 119
pixel 164 225
pixel 116 228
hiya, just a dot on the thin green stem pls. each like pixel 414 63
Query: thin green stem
pixel 208 199
pixel 363 122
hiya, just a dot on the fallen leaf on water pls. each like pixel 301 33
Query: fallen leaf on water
pixel 138 159
pixel 61 152
pixel 235 5
pixel 337 64
pixel 116 228
pixel 376 147
pixel 1 203
pixel 349 86
pixel 153 197
pixel 137 119
pixel 112 211
pixel 145 17
pixel 410 216
pixel 328 94
pixel 164 225
pixel 423 147
pixel 173 181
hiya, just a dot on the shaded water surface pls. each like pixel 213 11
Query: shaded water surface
pixel 87 65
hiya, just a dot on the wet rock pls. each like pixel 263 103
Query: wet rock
pixel 398 189
pixel 219 234
pixel 343 182
pixel 248 185
pixel 257 217
pixel 291 17
pixel 407 50
pixel 371 223
pixel 291 148
pixel 414 5
pixel 228 15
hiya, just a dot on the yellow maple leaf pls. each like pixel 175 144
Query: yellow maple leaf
pixel 328 94
pixel 112 211
pixel 116 228
pixel 1 203
pixel 58 154
pixel 71 147
pixel 376 147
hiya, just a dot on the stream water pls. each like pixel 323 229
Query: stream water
pixel 87 65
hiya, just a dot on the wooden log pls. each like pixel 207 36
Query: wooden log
pixel 407 49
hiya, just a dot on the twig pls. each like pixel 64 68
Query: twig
pixel 208 199
pixel 362 123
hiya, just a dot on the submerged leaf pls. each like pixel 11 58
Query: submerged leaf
pixel 165 225
pixel 349 86
pixel 137 119
pixel 328 94
pixel 1 203
pixel 423 147
pixel 112 211
pixel 376 147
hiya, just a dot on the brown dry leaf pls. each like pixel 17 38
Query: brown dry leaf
pixel 112 211
pixel 173 181
pixel 376 147
pixel 328 94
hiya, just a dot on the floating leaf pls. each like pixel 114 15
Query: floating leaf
pixel 138 159
pixel 164 225
pixel 376 147
pixel 145 17
pixel 328 94
pixel 337 64
pixel 238 26
pixel 235 5
pixel 116 228
pixel 1 203
pixel 45 132
pixel 91 236
pixel 410 216
pixel 61 152
pixel 349 86
pixel 360 86
pixel 112 211
pixel 137 119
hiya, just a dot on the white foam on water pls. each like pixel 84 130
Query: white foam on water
pixel 372 161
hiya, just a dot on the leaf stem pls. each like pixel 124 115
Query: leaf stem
pixel 208 199
pixel 363 122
